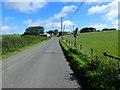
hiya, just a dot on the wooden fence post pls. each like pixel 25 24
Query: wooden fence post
pixel 75 42
pixel 91 51
pixel 69 43
pixel 80 47
pixel 119 70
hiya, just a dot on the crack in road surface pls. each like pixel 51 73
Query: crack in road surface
pixel 43 66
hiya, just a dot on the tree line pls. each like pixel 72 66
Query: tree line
pixel 37 30
pixel 91 29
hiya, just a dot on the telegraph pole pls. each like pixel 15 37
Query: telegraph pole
pixel 73 28
pixel 64 28
pixel 61 26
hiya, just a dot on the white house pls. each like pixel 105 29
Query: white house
pixel 45 34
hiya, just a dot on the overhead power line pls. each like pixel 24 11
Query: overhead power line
pixel 77 9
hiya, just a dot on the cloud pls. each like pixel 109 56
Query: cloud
pixel 68 8
pixel 9 18
pixel 50 24
pixel 58 24
pixel 58 0
pixel 66 23
pixel 98 26
pixel 64 11
pixel 25 6
pixel 50 21
pixel 98 0
pixel 84 0
pixel 29 22
pixel 116 24
pixel 110 10
pixel 0 23
pixel 8 28
pixel 24 0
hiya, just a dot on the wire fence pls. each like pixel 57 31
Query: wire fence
pixel 90 51
pixel 102 67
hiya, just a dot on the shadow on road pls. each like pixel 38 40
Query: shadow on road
pixel 51 53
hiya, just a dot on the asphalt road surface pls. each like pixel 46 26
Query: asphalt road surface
pixel 43 66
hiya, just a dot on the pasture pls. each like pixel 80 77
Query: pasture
pixel 94 69
pixel 101 42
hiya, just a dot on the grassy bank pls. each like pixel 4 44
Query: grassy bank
pixel 95 71
pixel 12 44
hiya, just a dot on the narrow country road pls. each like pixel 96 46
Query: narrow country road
pixel 43 66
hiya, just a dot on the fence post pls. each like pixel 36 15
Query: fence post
pixel 69 43
pixel 80 47
pixel 91 51
pixel 119 70
pixel 75 42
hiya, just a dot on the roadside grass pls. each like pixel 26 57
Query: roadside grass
pixel 15 47
pixel 101 42
pixel 96 72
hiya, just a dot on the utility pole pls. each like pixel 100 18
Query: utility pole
pixel 76 35
pixel 64 28
pixel 73 28
pixel 61 26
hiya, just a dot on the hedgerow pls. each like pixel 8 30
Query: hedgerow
pixel 13 43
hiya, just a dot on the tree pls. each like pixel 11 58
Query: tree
pixel 34 30
pixel 105 29
pixel 55 32
pixel 50 32
pixel 112 28
pixel 87 29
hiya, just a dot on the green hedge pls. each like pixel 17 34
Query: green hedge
pixel 94 71
pixel 13 43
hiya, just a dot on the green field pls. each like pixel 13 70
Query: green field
pixel 94 69
pixel 101 42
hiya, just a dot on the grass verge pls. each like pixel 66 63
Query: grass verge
pixel 95 72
